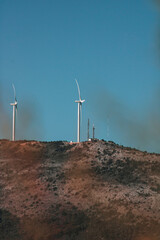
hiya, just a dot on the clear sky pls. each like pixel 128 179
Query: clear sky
pixel 111 47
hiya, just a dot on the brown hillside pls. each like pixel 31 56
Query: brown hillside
pixel 90 191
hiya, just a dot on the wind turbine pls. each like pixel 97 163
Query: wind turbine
pixel 80 101
pixel 14 113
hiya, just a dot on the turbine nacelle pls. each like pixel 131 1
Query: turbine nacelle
pixel 80 101
pixel 14 104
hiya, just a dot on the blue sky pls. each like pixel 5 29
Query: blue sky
pixel 111 47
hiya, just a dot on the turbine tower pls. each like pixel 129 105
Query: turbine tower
pixel 93 131
pixel 88 130
pixel 80 101
pixel 14 105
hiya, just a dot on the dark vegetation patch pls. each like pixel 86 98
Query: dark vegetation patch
pixel 109 152
pixel 1 188
pixel 124 171
pixel 51 171
pixel 9 226
pixel 58 146
pixel 156 188
pixel 61 222
pixel 110 225
pixel 155 168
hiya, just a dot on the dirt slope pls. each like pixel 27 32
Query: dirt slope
pixel 89 191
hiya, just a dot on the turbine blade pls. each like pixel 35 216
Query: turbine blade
pixel 78 89
pixel 14 90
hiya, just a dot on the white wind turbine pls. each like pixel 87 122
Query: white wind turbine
pixel 80 101
pixel 14 113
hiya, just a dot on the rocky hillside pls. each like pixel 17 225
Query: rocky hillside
pixel 88 191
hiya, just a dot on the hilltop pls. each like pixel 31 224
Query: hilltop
pixel 90 191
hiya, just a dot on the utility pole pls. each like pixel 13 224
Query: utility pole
pixel 88 130
pixel 93 131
